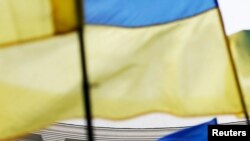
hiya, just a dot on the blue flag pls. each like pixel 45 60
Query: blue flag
pixel 194 133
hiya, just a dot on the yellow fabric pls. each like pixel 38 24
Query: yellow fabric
pixel 240 43
pixel 39 84
pixel 24 20
pixel 64 14
pixel 180 68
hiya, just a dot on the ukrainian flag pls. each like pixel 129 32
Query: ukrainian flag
pixel 162 56
pixel 143 56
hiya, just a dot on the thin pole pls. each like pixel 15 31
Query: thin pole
pixel 85 82
pixel 235 74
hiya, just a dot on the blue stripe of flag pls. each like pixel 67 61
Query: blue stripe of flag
pixel 195 133
pixel 137 13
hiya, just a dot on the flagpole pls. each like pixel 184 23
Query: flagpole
pixel 235 74
pixel 85 82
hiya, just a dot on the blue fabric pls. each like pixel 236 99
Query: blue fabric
pixel 136 13
pixel 195 133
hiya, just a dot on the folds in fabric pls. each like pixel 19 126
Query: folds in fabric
pixel 132 72
pixel 26 20
pixel 180 68
pixel 64 15
pixel 176 62
pixel 37 87
pixel 178 65
pixel 39 84
pixel 143 12
pixel 240 43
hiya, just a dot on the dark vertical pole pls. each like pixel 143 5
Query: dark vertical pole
pixel 85 82
pixel 231 59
